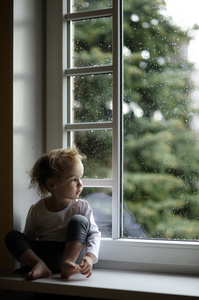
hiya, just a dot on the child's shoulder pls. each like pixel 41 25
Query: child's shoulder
pixel 39 204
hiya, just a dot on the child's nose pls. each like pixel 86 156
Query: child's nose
pixel 80 182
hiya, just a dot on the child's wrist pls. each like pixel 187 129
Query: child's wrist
pixel 92 256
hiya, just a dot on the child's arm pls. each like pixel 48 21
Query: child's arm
pixel 93 240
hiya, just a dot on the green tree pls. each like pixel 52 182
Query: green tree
pixel 160 157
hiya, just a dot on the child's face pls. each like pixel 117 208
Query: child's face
pixel 69 185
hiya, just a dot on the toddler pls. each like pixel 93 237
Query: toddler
pixel 60 224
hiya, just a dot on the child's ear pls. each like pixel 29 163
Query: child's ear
pixel 50 184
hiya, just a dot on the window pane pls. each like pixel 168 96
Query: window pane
pixel 92 42
pixel 161 145
pixel 97 146
pixel 100 200
pixel 92 98
pixel 81 5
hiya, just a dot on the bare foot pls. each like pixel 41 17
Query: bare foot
pixel 40 270
pixel 69 268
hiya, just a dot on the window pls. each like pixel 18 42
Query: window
pixel 84 93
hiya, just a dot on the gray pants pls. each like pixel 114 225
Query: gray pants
pixel 50 252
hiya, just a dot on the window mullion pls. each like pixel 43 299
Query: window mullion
pixel 116 159
pixel 67 51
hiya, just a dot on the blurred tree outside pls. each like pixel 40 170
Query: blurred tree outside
pixel 161 150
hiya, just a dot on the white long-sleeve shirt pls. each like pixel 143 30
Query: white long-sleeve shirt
pixel 44 225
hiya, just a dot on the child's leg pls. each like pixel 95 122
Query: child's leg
pixel 21 248
pixel 71 253
pixel 77 234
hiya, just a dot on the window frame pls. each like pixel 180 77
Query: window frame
pixel 132 254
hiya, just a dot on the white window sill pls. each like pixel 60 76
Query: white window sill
pixel 108 284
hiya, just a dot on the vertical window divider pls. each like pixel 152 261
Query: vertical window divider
pixel 66 53
pixel 117 123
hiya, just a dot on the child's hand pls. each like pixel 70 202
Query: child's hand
pixel 87 264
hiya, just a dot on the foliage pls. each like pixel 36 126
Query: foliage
pixel 139 187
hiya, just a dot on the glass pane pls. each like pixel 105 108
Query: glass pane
pixel 161 119
pixel 97 146
pixel 81 5
pixel 92 42
pixel 92 98
pixel 100 199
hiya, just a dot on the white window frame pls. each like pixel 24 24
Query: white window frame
pixel 132 254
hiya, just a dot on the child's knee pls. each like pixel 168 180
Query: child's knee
pixel 78 228
pixel 79 220
pixel 11 236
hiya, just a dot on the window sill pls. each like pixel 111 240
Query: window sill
pixel 108 284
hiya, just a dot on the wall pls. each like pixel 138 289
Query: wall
pixel 28 99
pixel 23 103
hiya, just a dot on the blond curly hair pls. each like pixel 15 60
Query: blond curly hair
pixel 51 165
